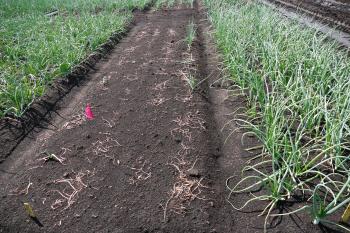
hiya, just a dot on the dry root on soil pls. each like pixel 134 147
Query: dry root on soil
pixel 108 123
pixel 102 147
pixel 186 123
pixel 185 190
pixel 24 191
pixel 161 86
pixel 75 121
pixel 141 171
pixel 56 158
pixel 104 82
pixel 158 100
pixel 73 186
pixel 184 98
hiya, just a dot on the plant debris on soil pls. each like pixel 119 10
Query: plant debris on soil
pixel 137 145
pixel 144 162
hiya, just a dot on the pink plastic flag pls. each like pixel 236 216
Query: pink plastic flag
pixel 88 112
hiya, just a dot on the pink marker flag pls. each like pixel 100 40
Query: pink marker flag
pixel 88 112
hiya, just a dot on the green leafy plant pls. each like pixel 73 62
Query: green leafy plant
pixel 191 81
pixel 36 47
pixel 297 85
pixel 191 34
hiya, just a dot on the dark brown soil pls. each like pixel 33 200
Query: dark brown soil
pixel 334 12
pixel 153 159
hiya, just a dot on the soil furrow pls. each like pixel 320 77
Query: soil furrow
pixel 142 165
pixel 331 12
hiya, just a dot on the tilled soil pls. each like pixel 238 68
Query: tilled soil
pixel 335 12
pixel 142 164
pixel 154 158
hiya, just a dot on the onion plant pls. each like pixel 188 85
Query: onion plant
pixel 296 81
pixel 171 3
pixel 36 46
pixel 190 34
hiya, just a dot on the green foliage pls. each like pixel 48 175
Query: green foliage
pixel 35 47
pixel 191 34
pixel 172 3
pixel 299 93
pixel 191 81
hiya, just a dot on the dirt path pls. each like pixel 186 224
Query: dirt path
pixel 152 160
pixel 334 12
pixel 144 161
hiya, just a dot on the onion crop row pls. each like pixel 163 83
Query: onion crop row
pixel 171 3
pixel 36 46
pixel 297 83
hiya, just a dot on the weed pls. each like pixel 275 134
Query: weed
pixel 191 34
pixel 191 81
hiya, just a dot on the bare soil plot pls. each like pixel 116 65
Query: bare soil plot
pixel 146 158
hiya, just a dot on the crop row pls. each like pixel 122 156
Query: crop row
pixel 43 39
pixel 297 83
